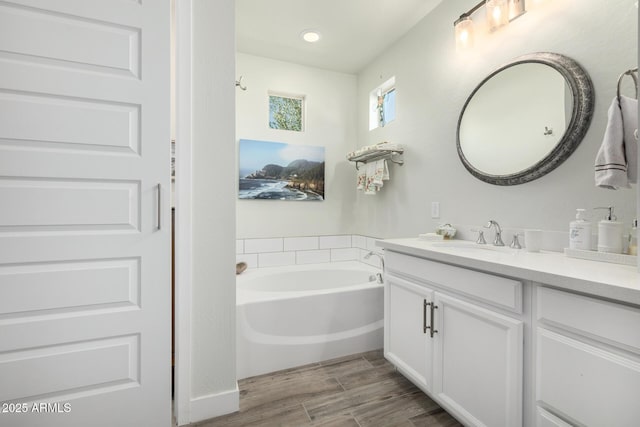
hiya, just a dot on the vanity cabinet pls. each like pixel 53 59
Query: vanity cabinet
pixel 587 360
pixel 554 344
pixel 443 333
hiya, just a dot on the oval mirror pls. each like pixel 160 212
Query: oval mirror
pixel 525 119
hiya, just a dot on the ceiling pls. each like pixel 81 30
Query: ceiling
pixel 354 32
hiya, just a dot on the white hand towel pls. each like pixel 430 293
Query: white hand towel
pixel 629 109
pixel 611 164
pixel 381 173
pixel 369 186
pixel 361 178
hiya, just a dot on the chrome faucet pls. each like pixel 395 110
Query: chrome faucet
pixel 497 241
pixel 378 275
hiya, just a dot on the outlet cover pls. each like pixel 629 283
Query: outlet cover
pixel 435 210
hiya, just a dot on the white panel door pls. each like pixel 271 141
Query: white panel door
pixel 407 342
pixel 84 231
pixel 477 363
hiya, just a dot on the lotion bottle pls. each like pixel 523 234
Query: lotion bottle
pixel 610 233
pixel 580 232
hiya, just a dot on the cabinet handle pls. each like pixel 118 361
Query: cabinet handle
pixel 424 317
pixel 432 328
pixel 159 207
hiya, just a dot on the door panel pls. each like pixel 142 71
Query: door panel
pixel 84 266
pixel 407 345
pixel 477 349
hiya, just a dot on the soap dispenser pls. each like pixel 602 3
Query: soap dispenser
pixel 610 233
pixel 580 232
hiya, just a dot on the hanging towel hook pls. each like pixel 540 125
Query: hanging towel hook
pixel 632 72
pixel 239 84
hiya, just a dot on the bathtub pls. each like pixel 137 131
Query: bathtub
pixel 296 315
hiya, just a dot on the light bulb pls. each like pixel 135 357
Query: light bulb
pixel 464 33
pixel 497 13
pixel 310 36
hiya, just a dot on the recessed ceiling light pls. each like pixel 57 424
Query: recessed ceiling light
pixel 310 36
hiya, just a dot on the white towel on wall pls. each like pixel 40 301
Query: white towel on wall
pixel 629 109
pixel 616 161
pixel 369 187
pixel 361 177
pixel 381 173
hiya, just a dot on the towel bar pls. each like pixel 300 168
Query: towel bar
pixel 378 154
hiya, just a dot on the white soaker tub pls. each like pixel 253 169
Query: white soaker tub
pixel 296 315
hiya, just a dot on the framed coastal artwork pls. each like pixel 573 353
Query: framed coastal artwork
pixel 279 171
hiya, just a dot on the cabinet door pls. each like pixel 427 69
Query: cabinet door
pixel 406 342
pixel 587 383
pixel 478 363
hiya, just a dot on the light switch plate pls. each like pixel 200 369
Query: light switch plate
pixel 435 210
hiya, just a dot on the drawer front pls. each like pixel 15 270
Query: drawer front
pixel 609 322
pixel 587 384
pixel 499 291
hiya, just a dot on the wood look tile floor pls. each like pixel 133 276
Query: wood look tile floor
pixel 362 390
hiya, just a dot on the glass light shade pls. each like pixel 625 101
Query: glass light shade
pixel 497 13
pixel 516 8
pixel 464 33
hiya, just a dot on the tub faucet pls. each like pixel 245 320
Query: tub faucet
pixel 378 275
pixel 497 241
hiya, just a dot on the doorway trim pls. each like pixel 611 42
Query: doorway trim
pixel 183 202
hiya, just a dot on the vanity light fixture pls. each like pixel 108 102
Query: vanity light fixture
pixel 499 13
pixel 310 36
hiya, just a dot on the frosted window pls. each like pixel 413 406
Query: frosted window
pixel 382 103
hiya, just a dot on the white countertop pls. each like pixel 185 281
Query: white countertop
pixel 612 281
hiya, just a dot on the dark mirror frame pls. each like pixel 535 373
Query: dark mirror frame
pixel 583 104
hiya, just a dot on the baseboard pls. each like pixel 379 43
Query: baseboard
pixel 215 405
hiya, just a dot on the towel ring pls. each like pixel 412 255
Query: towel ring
pixel 632 72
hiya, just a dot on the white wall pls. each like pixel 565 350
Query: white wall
pixel 213 380
pixel 330 122
pixel 433 82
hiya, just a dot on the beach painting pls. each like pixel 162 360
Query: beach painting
pixel 279 171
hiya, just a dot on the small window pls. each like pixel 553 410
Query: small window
pixel 286 112
pixel 383 104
